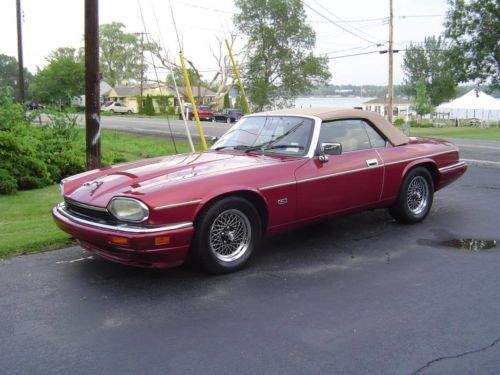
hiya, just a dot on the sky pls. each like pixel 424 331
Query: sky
pixel 359 25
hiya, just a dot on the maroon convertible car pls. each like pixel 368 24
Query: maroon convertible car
pixel 271 172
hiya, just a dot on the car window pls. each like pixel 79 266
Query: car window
pixel 350 133
pixel 376 139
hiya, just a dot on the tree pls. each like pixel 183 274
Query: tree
pixel 422 103
pixel 280 64
pixel 61 79
pixel 227 103
pixel 149 108
pixel 9 75
pixel 474 27
pixel 432 64
pixel 121 53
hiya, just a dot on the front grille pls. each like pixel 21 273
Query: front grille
pixel 89 213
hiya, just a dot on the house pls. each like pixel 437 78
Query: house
pixel 202 95
pixel 129 94
pixel 400 106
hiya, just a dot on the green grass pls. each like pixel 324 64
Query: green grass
pixel 487 134
pixel 26 224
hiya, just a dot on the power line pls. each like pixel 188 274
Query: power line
pixel 354 54
pixel 209 9
pixel 336 24
pixel 381 18
pixel 341 19
pixel 351 49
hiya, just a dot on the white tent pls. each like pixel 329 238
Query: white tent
pixel 471 105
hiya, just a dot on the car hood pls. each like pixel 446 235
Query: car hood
pixel 147 176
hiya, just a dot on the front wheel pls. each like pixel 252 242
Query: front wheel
pixel 415 197
pixel 226 234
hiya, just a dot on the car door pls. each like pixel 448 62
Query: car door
pixel 348 181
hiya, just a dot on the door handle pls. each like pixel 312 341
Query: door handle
pixel 372 162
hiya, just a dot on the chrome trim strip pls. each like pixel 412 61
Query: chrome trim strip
pixel 418 157
pixel 181 204
pixel 383 174
pixel 453 166
pixel 123 227
pixel 339 174
pixel 277 185
pixel 86 206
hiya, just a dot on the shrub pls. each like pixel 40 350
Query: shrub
pixel 36 156
pixel 8 185
pixel 399 122
pixel 149 109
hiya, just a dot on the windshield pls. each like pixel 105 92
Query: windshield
pixel 276 134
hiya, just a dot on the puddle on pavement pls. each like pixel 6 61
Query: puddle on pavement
pixel 470 244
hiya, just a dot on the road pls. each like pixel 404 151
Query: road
pixel 354 295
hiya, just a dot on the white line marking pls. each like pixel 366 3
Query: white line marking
pixel 478 146
pixel 74 260
pixel 474 161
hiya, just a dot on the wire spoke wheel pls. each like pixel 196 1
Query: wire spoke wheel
pixel 417 195
pixel 230 235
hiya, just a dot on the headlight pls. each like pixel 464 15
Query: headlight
pixel 128 209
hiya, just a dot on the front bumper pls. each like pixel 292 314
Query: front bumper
pixel 143 247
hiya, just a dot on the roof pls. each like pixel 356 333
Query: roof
pixel 471 100
pixel 134 90
pixel 397 100
pixel 124 91
pixel 393 134
pixel 194 88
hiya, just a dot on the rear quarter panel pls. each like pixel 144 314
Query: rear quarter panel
pixel 398 160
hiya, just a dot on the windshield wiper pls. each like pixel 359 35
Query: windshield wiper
pixel 284 146
pixel 234 147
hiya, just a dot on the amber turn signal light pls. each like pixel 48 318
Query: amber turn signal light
pixel 162 240
pixel 119 240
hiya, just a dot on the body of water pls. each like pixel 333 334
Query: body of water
pixel 337 102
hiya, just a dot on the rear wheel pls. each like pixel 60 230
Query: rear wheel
pixel 415 197
pixel 226 234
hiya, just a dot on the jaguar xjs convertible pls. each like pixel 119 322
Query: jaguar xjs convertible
pixel 269 173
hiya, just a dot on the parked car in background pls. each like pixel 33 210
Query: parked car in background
pixel 271 172
pixel 33 106
pixel 204 113
pixel 115 107
pixel 228 115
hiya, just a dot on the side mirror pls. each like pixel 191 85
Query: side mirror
pixel 329 149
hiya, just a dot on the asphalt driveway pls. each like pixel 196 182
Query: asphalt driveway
pixel 354 295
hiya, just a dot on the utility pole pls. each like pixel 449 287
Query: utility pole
pixel 20 82
pixel 390 86
pixel 92 80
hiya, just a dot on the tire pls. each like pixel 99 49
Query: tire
pixel 129 112
pixel 415 197
pixel 228 120
pixel 226 234
pixel 112 111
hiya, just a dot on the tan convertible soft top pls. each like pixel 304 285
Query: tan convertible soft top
pixel 393 134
